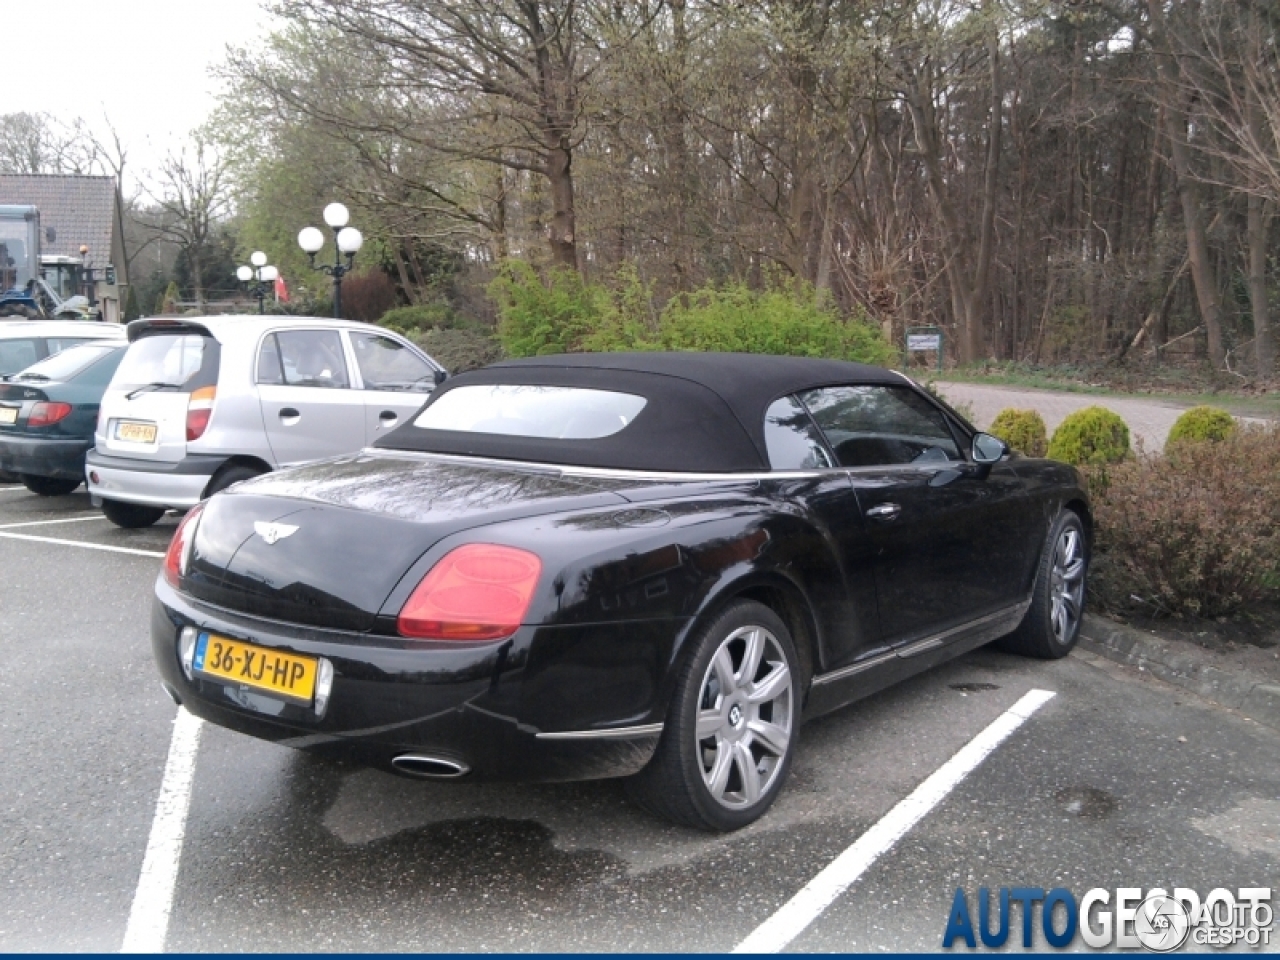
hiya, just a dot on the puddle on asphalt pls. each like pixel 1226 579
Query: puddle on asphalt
pixel 1088 803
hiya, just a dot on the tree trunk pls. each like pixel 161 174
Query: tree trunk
pixel 197 277
pixel 564 249
pixel 969 278
pixel 978 299
pixel 1263 346
pixel 500 248
pixel 1202 272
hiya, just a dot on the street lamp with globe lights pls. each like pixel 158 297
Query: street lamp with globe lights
pixel 262 273
pixel 347 240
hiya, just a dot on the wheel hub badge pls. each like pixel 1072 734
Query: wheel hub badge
pixel 735 715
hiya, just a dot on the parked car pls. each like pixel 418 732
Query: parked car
pixel 651 566
pixel 200 404
pixel 48 413
pixel 24 342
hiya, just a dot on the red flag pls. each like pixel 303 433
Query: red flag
pixel 282 291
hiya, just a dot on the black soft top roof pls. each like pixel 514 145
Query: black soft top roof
pixel 704 412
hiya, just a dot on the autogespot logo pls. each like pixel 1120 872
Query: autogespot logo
pixel 1155 919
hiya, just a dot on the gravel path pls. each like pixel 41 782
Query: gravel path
pixel 1149 418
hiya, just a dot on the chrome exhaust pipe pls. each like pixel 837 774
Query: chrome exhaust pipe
pixel 433 768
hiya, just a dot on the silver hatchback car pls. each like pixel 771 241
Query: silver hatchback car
pixel 198 404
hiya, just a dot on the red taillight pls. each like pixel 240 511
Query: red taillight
pixel 477 592
pixel 199 410
pixel 48 412
pixel 179 552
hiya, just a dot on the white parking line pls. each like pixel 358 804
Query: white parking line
pixel 81 543
pixel 153 900
pixel 794 916
pixel 39 523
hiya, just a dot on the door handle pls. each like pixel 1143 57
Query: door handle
pixel 289 416
pixel 387 418
pixel 884 512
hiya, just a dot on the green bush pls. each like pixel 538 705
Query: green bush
pixel 1022 430
pixel 423 316
pixel 1200 424
pixel 1194 533
pixel 538 318
pixel 788 319
pixel 1092 437
pixel 564 315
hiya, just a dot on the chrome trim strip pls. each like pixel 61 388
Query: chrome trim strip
pixel 617 733
pixel 938 639
pixel 568 470
pixel 923 645
pixel 853 668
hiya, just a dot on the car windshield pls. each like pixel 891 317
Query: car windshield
pixel 65 365
pixel 566 413
pixel 166 360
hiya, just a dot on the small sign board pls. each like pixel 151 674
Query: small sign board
pixel 924 341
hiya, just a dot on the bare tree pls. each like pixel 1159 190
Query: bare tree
pixel 192 198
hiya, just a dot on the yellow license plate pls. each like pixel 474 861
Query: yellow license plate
pixel 274 671
pixel 8 414
pixel 136 432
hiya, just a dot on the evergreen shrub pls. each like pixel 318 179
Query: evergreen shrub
pixel 1199 425
pixel 1092 437
pixel 1023 430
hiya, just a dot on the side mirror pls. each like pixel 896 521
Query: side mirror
pixel 441 376
pixel 988 449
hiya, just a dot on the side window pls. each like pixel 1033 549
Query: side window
pixel 880 425
pixel 269 369
pixel 791 438
pixel 312 358
pixel 386 364
pixel 16 355
pixel 58 344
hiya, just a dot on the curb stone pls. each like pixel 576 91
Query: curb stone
pixel 1171 663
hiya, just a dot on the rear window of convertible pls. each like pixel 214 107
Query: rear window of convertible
pixel 517 410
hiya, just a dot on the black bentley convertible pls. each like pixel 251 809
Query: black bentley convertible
pixel 651 566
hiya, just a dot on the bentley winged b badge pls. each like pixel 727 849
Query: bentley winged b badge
pixel 271 532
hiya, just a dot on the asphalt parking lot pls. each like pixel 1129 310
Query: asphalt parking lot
pixel 1116 781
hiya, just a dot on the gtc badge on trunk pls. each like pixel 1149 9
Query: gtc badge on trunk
pixel 271 532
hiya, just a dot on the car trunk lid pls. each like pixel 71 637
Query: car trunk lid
pixel 325 544
pixel 144 410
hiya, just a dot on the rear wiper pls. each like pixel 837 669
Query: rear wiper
pixel 148 387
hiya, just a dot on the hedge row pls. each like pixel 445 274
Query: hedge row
pixel 1194 530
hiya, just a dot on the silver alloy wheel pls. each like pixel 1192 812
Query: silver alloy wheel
pixel 1066 583
pixel 745 714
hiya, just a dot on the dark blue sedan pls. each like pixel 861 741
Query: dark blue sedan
pixel 48 413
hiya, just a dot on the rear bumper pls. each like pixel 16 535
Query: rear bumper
pixel 179 484
pixel 44 456
pixel 465 704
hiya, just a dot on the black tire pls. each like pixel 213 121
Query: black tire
pixel 131 516
pixel 49 486
pixel 1051 626
pixel 675 783
pixel 229 475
